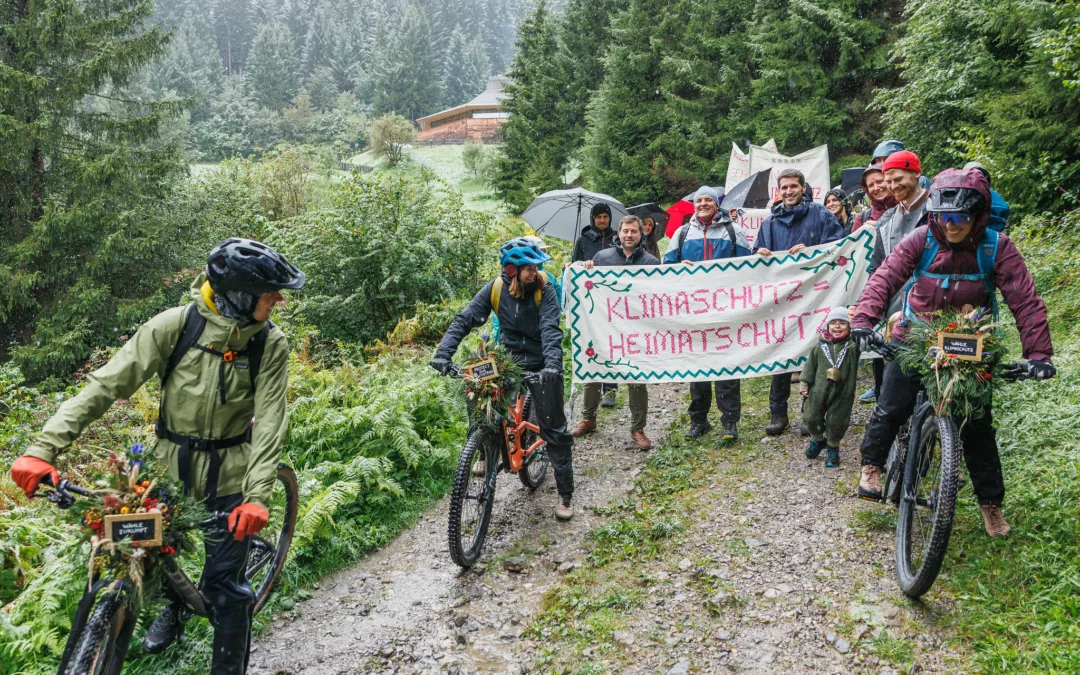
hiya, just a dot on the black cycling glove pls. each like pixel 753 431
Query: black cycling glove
pixel 1041 370
pixel 550 376
pixel 441 365
pixel 866 338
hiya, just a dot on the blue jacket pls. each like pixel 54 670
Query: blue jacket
pixel 999 212
pixel 496 329
pixel 808 223
pixel 712 243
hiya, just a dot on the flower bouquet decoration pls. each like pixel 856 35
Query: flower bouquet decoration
pixel 489 398
pixel 958 386
pixel 135 485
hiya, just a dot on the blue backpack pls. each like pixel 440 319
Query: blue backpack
pixel 987 254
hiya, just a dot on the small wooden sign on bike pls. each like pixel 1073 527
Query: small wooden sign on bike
pixel 963 346
pixel 482 370
pixel 142 529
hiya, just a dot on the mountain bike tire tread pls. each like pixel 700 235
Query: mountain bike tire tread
pixel 915 583
pixel 95 638
pixel 462 476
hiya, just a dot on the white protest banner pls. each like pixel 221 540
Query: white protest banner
pixel 814 164
pixel 738 168
pixel 750 221
pixel 719 320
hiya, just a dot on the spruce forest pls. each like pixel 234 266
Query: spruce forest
pixel 135 135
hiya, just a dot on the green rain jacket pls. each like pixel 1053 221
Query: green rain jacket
pixel 830 401
pixel 194 405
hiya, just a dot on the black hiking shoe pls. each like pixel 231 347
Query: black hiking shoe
pixel 729 432
pixel 166 629
pixel 777 424
pixel 832 457
pixel 814 449
pixel 698 429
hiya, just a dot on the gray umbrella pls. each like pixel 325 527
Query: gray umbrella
pixel 563 214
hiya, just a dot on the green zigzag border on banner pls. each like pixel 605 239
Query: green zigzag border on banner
pixel 866 234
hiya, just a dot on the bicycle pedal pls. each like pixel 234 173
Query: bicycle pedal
pixel 875 500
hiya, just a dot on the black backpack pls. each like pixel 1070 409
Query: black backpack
pixel 194 323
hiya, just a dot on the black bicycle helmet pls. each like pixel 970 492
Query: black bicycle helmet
pixel 954 200
pixel 242 270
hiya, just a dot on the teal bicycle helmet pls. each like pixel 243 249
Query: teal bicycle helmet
pixel 520 252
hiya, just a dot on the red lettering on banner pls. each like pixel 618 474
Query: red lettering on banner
pixel 722 333
pixel 738 335
pixel 682 300
pixel 659 298
pixel 648 345
pixel 685 338
pixel 742 296
pixel 704 340
pixel 783 330
pixel 825 310
pixel 662 344
pixel 763 333
pixel 704 300
pixel 644 306
pixel 799 318
pixel 716 305
pixel 791 296
pixel 631 348
pixel 626 308
pixel 612 346
pixel 613 309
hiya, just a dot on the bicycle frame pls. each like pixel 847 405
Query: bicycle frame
pixel 513 429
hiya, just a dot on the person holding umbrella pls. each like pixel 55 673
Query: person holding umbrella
pixel 795 223
pixel 710 235
pixel 596 237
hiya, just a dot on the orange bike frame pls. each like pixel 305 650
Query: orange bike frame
pixel 513 429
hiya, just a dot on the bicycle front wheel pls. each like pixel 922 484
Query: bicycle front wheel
pixel 101 647
pixel 270 548
pixel 927 506
pixel 471 499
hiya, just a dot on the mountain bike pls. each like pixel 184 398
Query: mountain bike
pixel 106 615
pixel 514 446
pixel 922 478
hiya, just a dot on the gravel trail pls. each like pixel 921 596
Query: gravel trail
pixel 775 573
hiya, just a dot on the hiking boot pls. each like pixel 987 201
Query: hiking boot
pixel 870 482
pixel 585 426
pixel 994 521
pixel 480 468
pixel 777 424
pixel 814 449
pixel 641 440
pixel 698 429
pixel 729 432
pixel 608 401
pixel 868 396
pixel 564 511
pixel 832 457
pixel 165 630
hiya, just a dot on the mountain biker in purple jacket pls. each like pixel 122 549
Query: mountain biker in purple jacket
pixel 959 207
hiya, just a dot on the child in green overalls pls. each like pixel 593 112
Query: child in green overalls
pixel 828 385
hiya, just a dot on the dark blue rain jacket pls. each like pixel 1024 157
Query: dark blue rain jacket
pixel 808 223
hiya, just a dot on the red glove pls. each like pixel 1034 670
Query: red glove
pixel 246 520
pixel 27 473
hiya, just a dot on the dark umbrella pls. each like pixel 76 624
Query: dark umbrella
pixel 650 210
pixel 752 193
pixel 851 179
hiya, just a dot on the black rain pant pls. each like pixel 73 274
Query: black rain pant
pixel 551 418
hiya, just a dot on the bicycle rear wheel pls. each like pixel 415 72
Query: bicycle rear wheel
pixel 927 506
pixel 101 647
pixel 536 465
pixel 471 499
pixel 270 548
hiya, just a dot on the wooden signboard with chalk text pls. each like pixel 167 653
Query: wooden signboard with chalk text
pixel 141 529
pixel 963 346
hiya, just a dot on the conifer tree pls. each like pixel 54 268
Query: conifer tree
pixel 466 69
pixel 532 146
pixel 273 69
pixel 406 72
pixel 82 179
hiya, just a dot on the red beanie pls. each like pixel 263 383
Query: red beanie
pixel 904 159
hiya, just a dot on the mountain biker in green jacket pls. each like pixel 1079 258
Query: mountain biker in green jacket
pixel 219 433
